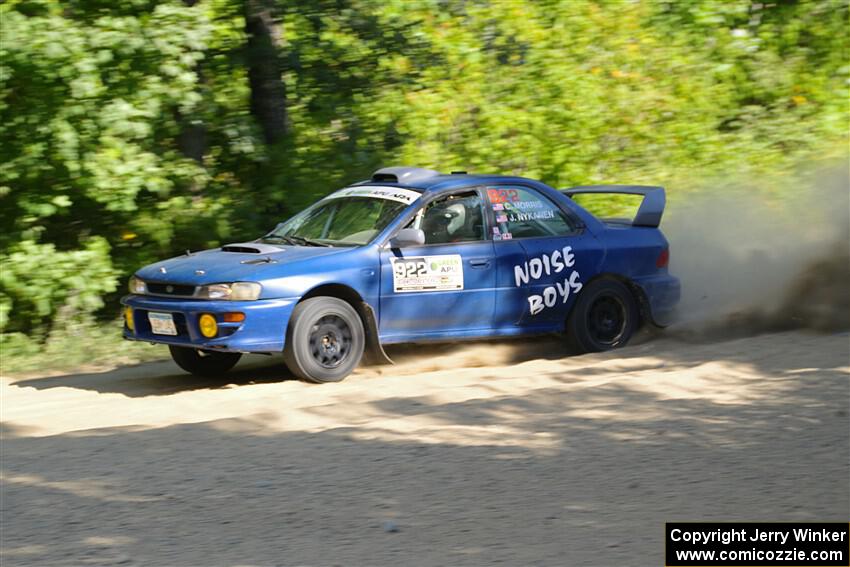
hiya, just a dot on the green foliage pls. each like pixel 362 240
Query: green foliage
pixel 94 103
pixel 127 132
pixel 74 346
pixel 650 92
pixel 40 285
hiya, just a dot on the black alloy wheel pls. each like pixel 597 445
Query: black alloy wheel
pixel 325 340
pixel 605 316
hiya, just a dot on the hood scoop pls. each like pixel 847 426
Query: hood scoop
pixel 250 248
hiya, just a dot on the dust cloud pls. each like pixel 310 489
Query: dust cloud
pixel 750 263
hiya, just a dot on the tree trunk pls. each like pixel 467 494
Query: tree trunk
pixel 192 139
pixel 268 93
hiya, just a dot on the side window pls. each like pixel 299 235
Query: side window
pixel 521 213
pixel 456 218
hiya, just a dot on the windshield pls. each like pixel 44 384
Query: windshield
pixel 346 221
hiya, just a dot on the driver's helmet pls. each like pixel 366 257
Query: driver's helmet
pixel 444 219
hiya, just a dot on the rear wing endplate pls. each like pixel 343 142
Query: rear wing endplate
pixel 650 210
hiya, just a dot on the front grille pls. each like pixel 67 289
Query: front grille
pixel 171 289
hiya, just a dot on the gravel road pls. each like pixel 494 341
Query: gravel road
pixel 484 454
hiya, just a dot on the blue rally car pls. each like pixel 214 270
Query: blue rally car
pixel 411 255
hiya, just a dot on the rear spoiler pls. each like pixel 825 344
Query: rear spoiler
pixel 651 209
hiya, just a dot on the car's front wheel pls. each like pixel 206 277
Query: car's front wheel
pixel 203 362
pixel 325 340
pixel 604 317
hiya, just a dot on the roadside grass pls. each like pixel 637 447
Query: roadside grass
pixel 72 347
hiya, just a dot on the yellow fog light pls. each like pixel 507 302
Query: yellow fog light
pixel 209 328
pixel 128 318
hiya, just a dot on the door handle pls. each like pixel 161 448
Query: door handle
pixel 480 263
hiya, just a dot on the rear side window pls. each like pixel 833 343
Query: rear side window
pixel 524 213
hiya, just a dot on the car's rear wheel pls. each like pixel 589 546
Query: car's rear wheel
pixel 325 340
pixel 203 362
pixel 604 317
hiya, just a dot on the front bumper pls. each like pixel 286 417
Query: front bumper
pixel 263 330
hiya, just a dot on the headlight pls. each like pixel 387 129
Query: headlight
pixel 239 291
pixel 137 286
pixel 215 291
pixel 245 291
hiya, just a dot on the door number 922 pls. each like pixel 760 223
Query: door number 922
pixel 410 268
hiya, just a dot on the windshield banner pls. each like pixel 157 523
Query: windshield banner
pixel 392 193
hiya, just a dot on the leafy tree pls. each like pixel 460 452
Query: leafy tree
pixel 134 130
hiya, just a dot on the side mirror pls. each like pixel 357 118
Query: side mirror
pixel 408 237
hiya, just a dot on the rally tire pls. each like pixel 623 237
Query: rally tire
pixel 203 362
pixel 605 316
pixel 325 340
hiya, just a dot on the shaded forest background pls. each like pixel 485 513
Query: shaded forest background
pixel 131 131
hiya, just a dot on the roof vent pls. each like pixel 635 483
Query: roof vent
pixel 403 175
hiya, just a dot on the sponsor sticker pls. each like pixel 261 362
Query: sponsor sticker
pixel 427 273
pixel 501 218
pixel 502 195
pixel 498 207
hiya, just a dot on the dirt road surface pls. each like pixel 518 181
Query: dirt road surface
pixel 473 455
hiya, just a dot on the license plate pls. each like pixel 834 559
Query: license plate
pixel 162 323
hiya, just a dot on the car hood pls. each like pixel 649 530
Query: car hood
pixel 244 261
